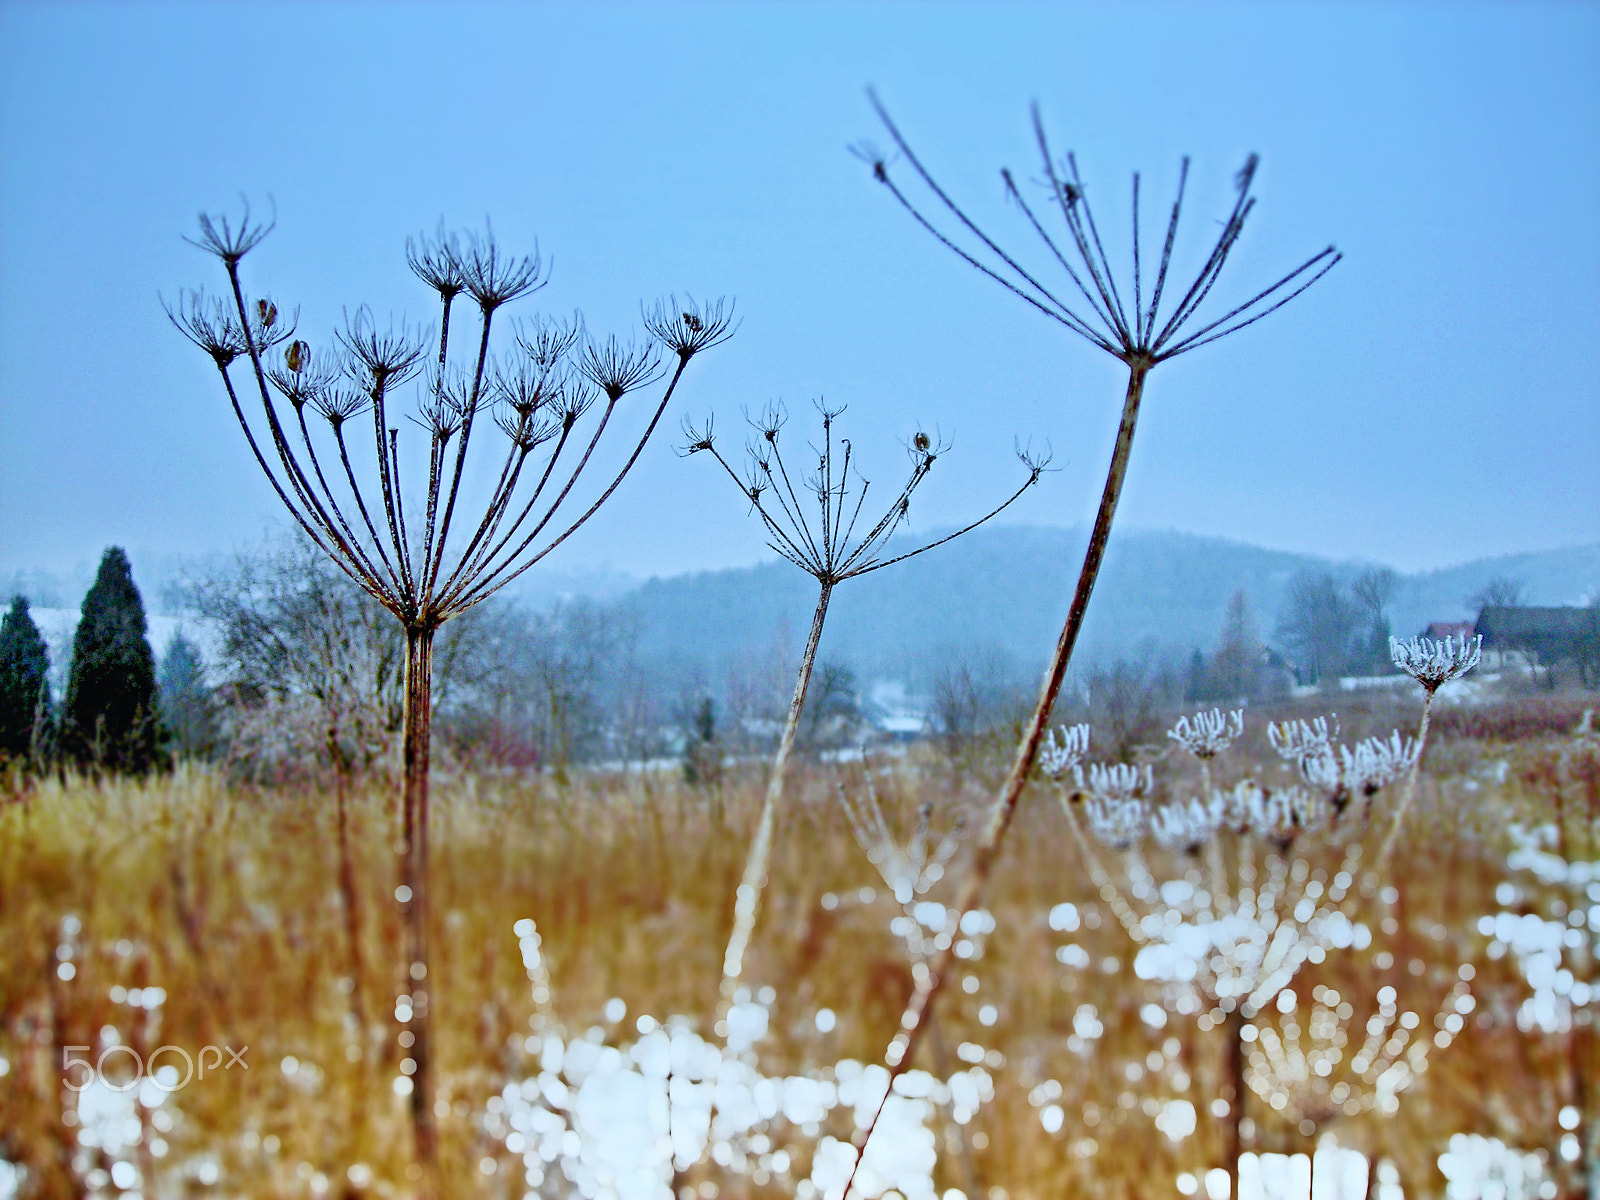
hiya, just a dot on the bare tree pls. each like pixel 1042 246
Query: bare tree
pixel 1502 591
pixel 552 393
pixel 1236 664
pixel 1092 305
pixel 832 700
pixel 1319 624
pixel 1373 589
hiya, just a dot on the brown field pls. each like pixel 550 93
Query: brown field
pixel 228 898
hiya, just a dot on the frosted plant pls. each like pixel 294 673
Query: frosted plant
pixel 1374 763
pixel 1059 755
pixel 1340 1060
pixel 1432 664
pixel 1207 734
pixel 816 524
pixel 1242 911
pixel 1284 814
pixel 908 870
pixel 1116 781
pixel 1343 772
pixel 1090 303
pixel 1301 741
pixel 1119 821
pixel 1188 824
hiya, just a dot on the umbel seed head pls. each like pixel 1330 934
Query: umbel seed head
pixel 1433 663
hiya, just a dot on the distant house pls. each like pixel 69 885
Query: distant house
pixel 896 716
pixel 1545 636
pixel 1442 630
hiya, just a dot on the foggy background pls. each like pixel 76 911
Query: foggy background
pixel 1429 403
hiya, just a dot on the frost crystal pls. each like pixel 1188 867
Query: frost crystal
pixel 1208 734
pixel 1056 758
pixel 1432 663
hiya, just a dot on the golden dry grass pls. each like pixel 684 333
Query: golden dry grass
pixel 228 899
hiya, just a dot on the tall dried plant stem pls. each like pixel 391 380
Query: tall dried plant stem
pixel 1393 835
pixel 347 885
pixel 1233 1130
pixel 414 877
pixel 747 906
pixel 902 1049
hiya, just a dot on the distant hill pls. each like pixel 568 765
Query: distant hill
pixel 999 595
pixel 1004 590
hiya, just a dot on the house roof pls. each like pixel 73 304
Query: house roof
pixel 1504 624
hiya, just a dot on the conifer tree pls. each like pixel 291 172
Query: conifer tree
pixel 25 710
pixel 188 710
pixel 109 718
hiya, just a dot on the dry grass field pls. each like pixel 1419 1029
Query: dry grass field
pixel 185 911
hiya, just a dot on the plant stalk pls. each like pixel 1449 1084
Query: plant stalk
pixel 1411 788
pixel 903 1048
pixel 1232 1129
pixel 748 904
pixel 414 876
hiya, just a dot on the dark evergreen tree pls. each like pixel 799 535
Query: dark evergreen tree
pixel 187 707
pixel 1197 684
pixel 110 718
pixel 25 710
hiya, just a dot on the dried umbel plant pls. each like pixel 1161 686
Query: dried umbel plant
pixel 1342 1059
pixel 1091 304
pixel 814 520
pixel 1432 664
pixel 1229 921
pixel 549 396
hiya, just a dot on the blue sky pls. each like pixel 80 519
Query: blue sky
pixel 1433 400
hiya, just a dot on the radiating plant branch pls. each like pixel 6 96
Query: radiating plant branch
pixel 815 521
pixel 1089 302
pixel 814 524
pixel 412 555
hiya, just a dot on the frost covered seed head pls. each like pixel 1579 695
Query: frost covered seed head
pixel 1286 813
pixel 1189 825
pixel 1298 741
pixel 1058 756
pixel 1432 663
pixel 1117 822
pixel 1373 763
pixel 1208 734
pixel 1118 781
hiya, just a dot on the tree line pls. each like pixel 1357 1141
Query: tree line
pixel 109 717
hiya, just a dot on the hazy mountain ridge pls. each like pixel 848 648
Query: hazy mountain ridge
pixel 999 591
pixel 1006 589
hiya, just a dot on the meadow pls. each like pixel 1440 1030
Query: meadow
pixel 577 941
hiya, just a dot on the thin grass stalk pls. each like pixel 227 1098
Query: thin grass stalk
pixel 348 894
pixel 902 1049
